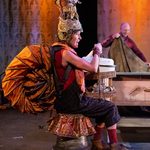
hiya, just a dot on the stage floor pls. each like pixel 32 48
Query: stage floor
pixel 20 131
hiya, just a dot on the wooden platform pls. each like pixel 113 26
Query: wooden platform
pixel 134 130
pixel 132 89
pixel 134 122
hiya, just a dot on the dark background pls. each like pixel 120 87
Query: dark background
pixel 88 17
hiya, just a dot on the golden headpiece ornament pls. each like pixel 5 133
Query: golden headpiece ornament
pixel 68 19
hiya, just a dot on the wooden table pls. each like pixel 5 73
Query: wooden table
pixel 103 79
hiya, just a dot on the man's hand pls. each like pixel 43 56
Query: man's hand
pixel 116 35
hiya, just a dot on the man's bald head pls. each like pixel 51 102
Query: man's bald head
pixel 125 29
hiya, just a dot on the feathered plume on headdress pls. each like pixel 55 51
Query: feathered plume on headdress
pixel 68 19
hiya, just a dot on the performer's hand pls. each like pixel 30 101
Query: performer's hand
pixel 97 49
pixel 116 35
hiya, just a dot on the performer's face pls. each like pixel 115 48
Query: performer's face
pixel 125 29
pixel 75 39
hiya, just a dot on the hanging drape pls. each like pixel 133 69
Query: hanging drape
pixel 25 22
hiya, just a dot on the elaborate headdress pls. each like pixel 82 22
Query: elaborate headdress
pixel 68 19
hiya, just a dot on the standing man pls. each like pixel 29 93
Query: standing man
pixel 126 55
pixel 124 31
pixel 125 52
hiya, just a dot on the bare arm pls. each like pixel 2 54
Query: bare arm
pixel 69 57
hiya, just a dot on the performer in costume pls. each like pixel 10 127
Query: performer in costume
pixel 71 97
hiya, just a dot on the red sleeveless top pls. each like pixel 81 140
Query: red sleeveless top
pixel 74 75
pixel 60 69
